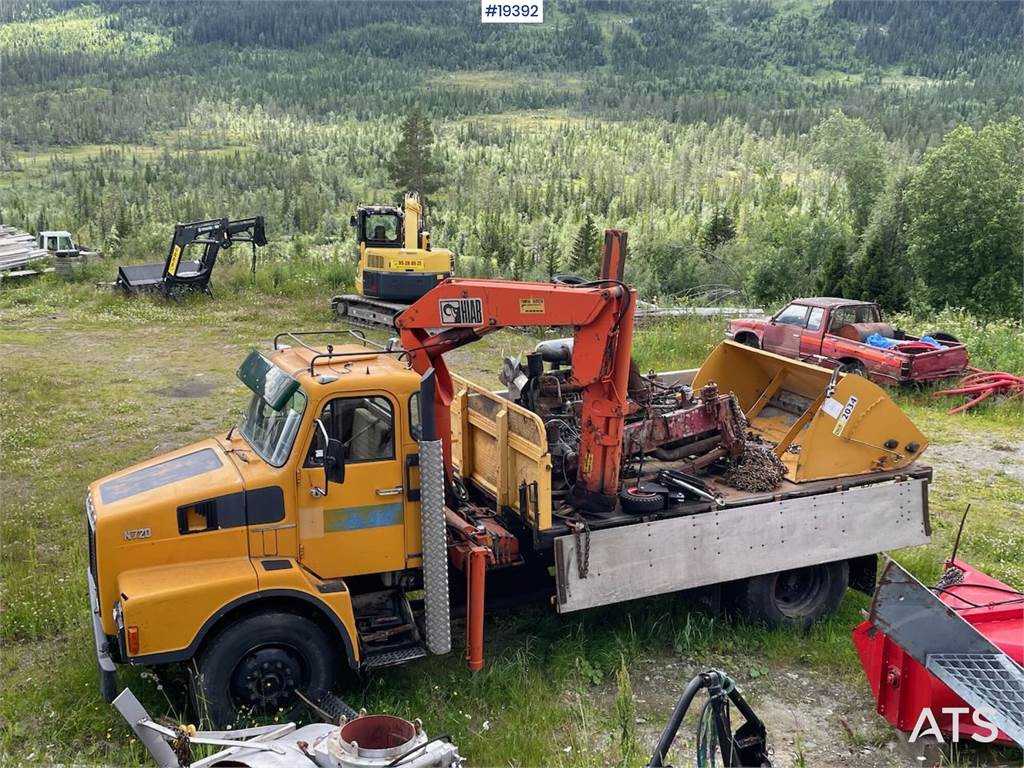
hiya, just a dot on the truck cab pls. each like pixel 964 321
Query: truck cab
pixel 297 527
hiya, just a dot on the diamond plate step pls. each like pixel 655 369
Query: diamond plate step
pixel 394 658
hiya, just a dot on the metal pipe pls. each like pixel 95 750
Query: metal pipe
pixel 476 573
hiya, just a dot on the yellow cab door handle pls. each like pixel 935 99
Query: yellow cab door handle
pixel 390 491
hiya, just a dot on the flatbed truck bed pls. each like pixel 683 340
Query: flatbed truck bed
pixel 500 450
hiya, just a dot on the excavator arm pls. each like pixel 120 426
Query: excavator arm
pixel 458 312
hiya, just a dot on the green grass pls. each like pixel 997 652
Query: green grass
pixel 82 372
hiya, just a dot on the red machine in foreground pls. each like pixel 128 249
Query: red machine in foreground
pixel 956 649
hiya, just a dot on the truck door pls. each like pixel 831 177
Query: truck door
pixel 359 525
pixel 810 339
pixel 784 331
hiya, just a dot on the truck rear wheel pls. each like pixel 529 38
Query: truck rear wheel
pixel 253 667
pixel 794 599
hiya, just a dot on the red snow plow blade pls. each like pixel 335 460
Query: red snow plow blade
pixel 961 645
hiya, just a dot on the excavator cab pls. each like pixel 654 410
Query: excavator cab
pixel 395 262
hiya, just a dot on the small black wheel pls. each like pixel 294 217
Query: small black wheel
pixel 793 599
pixel 949 338
pixel 749 340
pixel 253 667
pixel 639 502
pixel 854 367
pixel 340 309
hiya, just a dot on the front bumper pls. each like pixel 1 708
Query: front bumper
pixel 105 662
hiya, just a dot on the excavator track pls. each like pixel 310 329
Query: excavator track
pixel 365 312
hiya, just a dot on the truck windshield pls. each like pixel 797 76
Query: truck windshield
pixel 271 433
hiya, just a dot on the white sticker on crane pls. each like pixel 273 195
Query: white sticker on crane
pixel 832 407
pixel 844 416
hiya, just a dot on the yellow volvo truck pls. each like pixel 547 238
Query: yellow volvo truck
pixel 274 555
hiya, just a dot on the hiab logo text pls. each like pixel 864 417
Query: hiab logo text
pixel 927 725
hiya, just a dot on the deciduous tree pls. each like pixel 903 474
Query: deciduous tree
pixel 965 234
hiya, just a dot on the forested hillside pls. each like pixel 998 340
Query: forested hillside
pixel 778 148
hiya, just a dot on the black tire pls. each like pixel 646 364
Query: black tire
pixel 943 336
pixel 854 367
pixel 253 667
pixel 639 502
pixel 792 599
pixel 568 280
pixel 340 309
pixel 749 340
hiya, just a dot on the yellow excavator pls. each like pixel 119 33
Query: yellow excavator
pixel 396 263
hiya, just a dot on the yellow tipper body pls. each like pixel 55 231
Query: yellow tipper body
pixel 853 430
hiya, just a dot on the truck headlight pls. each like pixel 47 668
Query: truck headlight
pixel 90 509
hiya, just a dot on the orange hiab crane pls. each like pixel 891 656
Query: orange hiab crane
pixel 601 314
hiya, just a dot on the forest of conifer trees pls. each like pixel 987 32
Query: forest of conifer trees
pixel 776 149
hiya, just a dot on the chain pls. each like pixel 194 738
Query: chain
pixel 581 530
pixel 760 470
pixel 182 746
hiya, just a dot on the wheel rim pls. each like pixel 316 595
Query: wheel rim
pixel 797 592
pixel 266 679
pixel 636 493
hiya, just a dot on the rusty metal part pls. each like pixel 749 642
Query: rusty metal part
pixel 759 470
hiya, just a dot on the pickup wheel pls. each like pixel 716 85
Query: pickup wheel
pixel 253 667
pixel 748 340
pixel 793 599
pixel 855 367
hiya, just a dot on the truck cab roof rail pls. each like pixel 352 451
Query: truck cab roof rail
pixel 320 356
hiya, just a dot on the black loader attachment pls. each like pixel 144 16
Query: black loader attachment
pixel 177 274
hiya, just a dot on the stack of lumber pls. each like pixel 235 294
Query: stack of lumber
pixel 18 251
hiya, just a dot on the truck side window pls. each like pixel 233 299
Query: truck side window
pixel 814 321
pixel 364 425
pixel 794 314
pixel 840 317
pixel 415 422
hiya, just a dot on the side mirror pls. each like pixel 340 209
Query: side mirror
pixel 334 462
pixel 323 450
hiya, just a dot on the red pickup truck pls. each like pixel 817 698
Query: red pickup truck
pixel 834 332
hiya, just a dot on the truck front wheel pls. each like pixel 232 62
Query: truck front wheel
pixel 254 666
pixel 794 599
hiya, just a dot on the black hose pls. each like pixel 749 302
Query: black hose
pixel 669 734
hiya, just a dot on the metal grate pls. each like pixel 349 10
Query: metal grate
pixel 394 658
pixel 91 533
pixel 986 681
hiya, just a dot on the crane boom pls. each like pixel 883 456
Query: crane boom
pixel 601 314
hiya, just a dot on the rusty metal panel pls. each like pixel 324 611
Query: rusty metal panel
pixel 678 553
